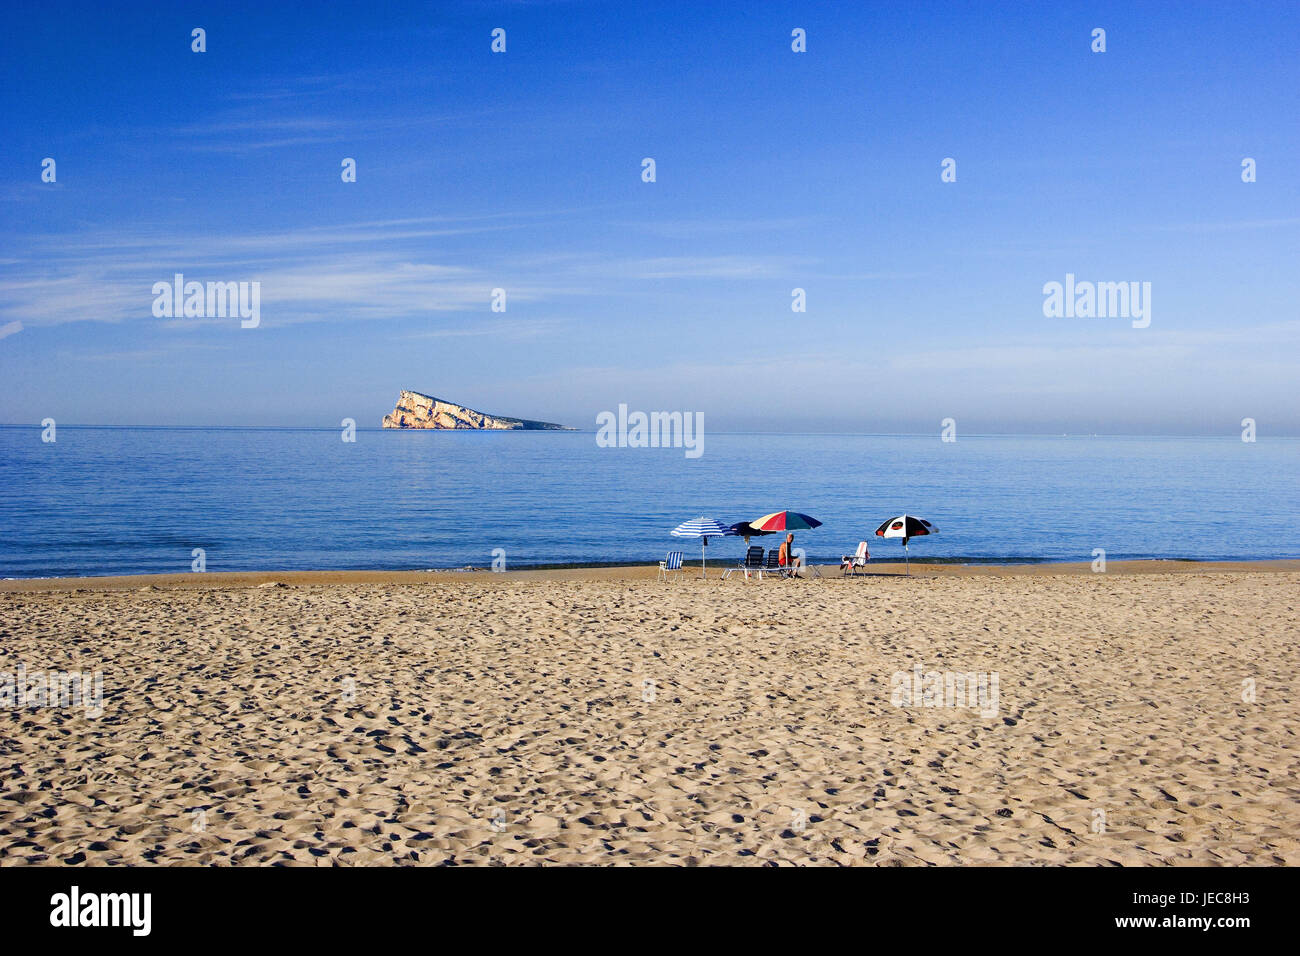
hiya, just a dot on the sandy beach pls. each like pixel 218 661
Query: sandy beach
pixel 1146 715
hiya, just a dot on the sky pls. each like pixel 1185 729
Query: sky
pixel 775 170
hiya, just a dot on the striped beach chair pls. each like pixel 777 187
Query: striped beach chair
pixel 671 563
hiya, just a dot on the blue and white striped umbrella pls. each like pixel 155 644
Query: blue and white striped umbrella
pixel 705 528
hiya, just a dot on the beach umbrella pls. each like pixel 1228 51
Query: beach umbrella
pixel 785 521
pixel 906 527
pixel 747 531
pixel 703 528
pixel 779 521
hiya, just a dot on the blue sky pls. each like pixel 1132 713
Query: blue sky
pixel 775 170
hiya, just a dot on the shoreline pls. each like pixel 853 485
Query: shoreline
pixel 571 573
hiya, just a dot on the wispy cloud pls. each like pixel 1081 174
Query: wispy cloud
pixel 371 269
pixel 374 269
pixel 238 131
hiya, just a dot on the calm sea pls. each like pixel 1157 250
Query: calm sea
pixel 136 500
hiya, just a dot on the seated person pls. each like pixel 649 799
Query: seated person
pixel 786 557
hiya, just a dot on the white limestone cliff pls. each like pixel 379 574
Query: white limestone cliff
pixel 416 410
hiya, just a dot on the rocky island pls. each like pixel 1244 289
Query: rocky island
pixel 416 410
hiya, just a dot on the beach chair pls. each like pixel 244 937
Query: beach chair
pixel 850 563
pixel 752 564
pixel 671 563
pixel 773 565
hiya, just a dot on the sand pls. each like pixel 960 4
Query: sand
pixel 599 717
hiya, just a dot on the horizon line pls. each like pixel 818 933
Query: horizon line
pixel 580 431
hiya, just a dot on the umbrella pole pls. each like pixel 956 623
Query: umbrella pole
pixel 704 569
pixel 908 557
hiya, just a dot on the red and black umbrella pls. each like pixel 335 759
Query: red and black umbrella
pixel 906 527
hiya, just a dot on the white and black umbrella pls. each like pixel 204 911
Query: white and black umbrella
pixel 704 528
pixel 906 527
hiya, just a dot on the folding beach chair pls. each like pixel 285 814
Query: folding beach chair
pixel 753 563
pixel 850 563
pixel 671 563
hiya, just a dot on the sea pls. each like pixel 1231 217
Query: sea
pixel 110 500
